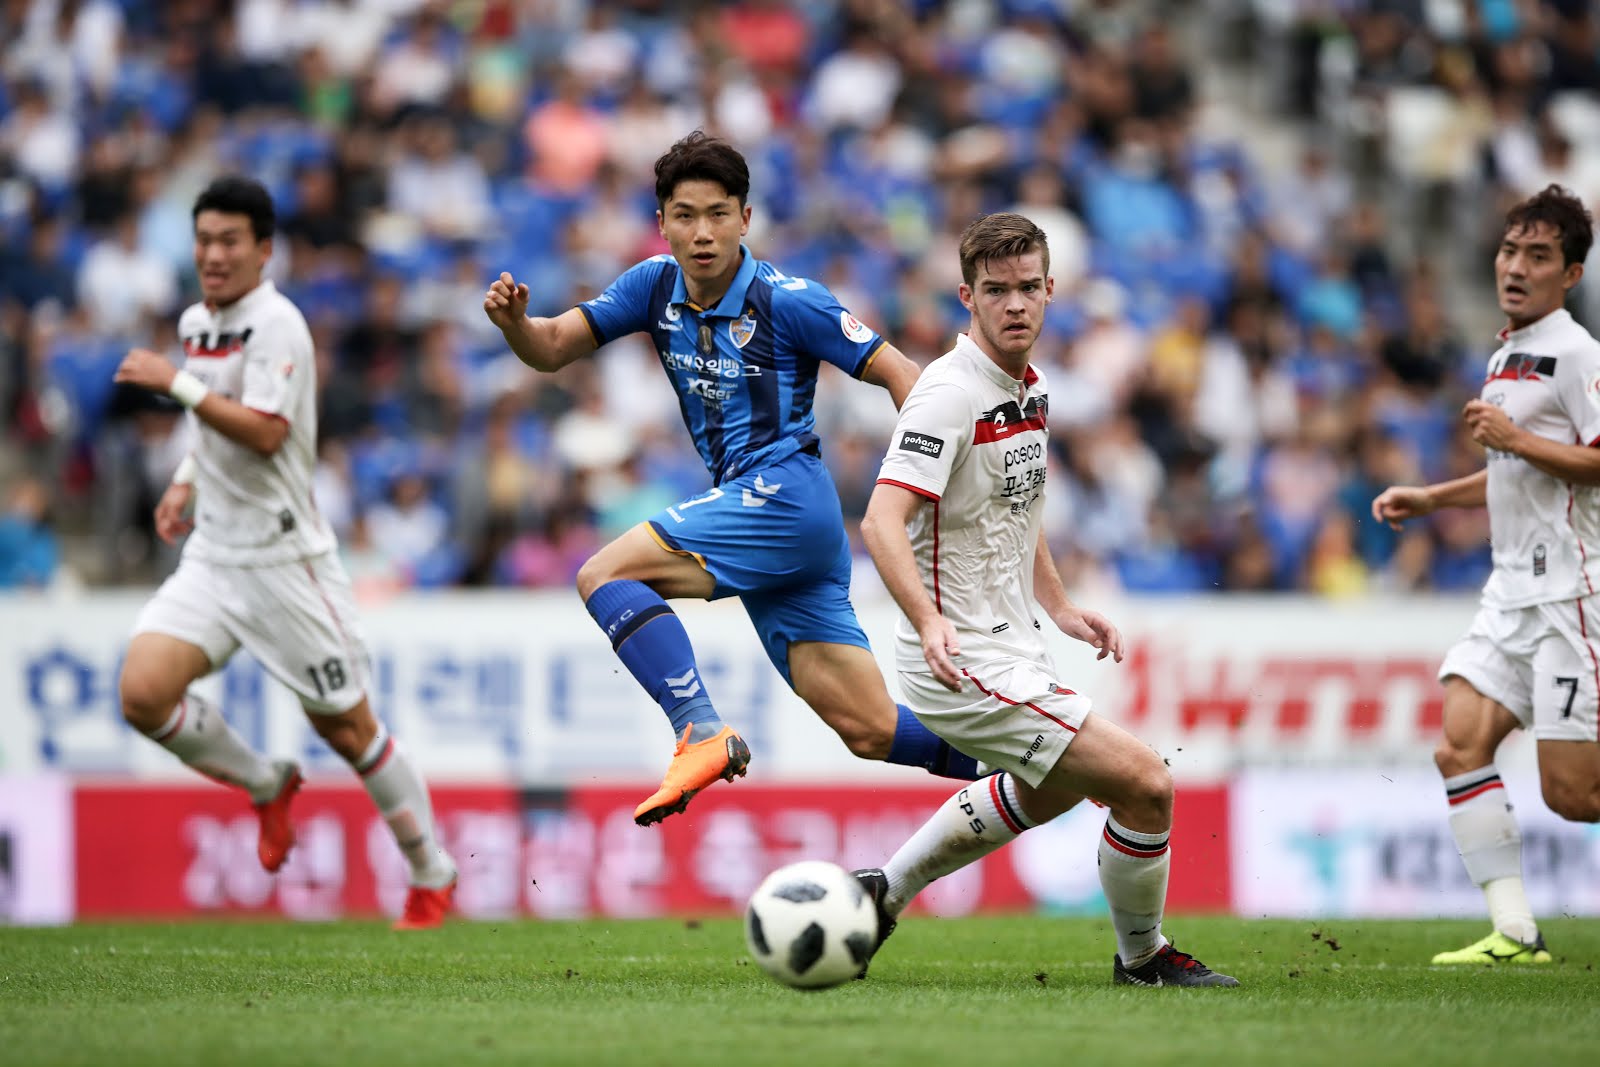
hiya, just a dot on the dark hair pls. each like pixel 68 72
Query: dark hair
pixel 1563 212
pixel 238 195
pixel 1003 235
pixel 701 157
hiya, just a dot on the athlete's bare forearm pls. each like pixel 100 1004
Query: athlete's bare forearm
pixel 1469 492
pixel 1578 464
pixel 884 531
pixel 1047 588
pixel 259 431
pixel 895 371
pixel 549 344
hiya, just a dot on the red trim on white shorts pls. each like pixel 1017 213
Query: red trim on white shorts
pixel 338 623
pixel 1594 661
pixel 1018 703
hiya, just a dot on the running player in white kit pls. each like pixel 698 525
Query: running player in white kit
pixel 1532 656
pixel 954 527
pixel 260 571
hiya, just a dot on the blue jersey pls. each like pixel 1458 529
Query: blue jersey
pixel 745 371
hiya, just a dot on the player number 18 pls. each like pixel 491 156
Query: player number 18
pixel 329 678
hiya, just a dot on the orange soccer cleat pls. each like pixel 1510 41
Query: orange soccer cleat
pixel 425 908
pixel 277 832
pixel 694 766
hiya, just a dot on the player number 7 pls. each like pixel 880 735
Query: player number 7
pixel 1572 692
pixel 715 494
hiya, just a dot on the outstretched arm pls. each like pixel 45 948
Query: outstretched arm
pixel 543 344
pixel 1398 503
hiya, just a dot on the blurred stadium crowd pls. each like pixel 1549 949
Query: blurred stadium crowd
pixel 1271 224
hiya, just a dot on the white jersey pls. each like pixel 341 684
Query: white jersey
pixel 1546 532
pixel 251 511
pixel 972 440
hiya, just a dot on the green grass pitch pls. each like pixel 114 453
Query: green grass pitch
pixel 971 991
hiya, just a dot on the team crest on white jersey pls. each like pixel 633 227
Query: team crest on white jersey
pixel 740 331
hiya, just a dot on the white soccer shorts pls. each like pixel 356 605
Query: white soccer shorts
pixel 1010 714
pixel 297 619
pixel 1542 663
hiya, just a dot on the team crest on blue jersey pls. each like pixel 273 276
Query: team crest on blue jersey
pixel 741 331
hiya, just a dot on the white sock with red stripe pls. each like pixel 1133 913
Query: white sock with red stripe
pixel 1490 841
pixel 1133 874
pixel 966 828
pixel 402 798
pixel 198 735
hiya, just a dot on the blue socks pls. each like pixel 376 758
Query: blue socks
pixel 651 642
pixel 917 746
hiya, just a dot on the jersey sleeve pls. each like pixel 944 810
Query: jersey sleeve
pixel 818 325
pixel 624 307
pixel 1578 389
pixel 935 429
pixel 278 361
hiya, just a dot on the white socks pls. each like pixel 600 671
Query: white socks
pixel 1133 874
pixel 198 735
pixel 970 825
pixel 402 798
pixel 986 815
pixel 1490 841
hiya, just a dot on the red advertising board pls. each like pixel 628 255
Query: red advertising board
pixel 158 851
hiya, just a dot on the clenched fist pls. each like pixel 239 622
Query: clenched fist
pixel 506 302
pixel 146 369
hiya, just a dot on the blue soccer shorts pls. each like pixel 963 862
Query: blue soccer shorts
pixel 774 539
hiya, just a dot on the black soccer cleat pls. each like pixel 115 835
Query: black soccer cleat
pixel 1168 967
pixel 876 885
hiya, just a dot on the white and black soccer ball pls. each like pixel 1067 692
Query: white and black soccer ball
pixel 810 925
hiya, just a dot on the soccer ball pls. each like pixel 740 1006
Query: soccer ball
pixel 810 925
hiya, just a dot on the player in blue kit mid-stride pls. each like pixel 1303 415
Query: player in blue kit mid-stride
pixel 741 343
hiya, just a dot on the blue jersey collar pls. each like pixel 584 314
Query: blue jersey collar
pixel 731 306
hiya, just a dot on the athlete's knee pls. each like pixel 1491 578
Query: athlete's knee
pixel 1575 803
pixel 592 575
pixel 1147 793
pixel 865 740
pixel 147 698
pixel 1454 757
pixel 866 727
pixel 349 734
pixel 862 735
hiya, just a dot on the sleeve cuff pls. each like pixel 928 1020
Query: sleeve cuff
pixel 594 329
pixel 270 414
pixel 866 364
pixel 908 487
